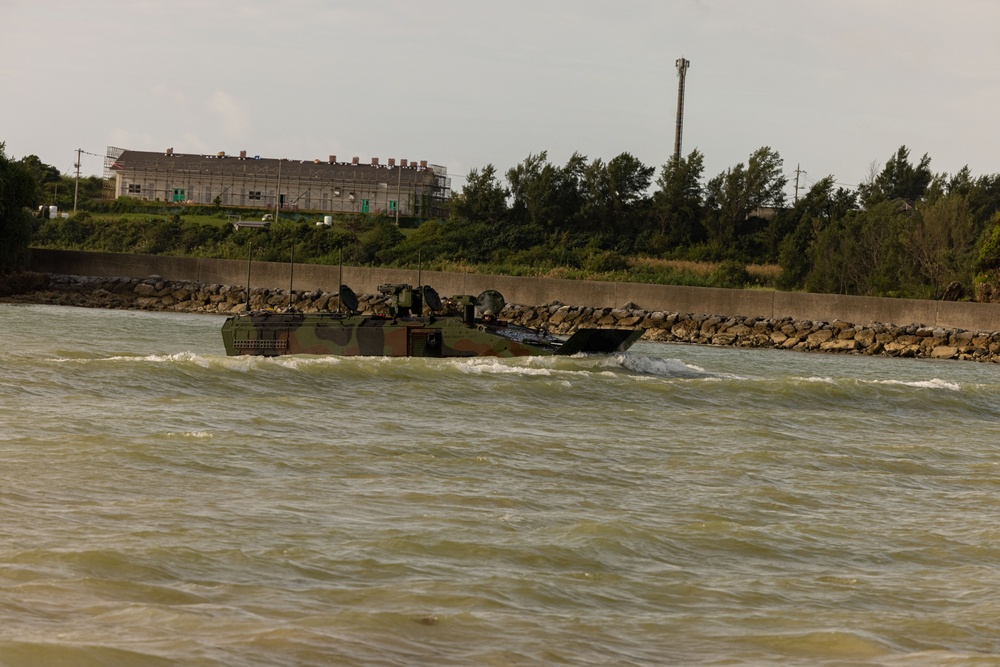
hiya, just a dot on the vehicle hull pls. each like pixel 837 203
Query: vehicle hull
pixel 274 334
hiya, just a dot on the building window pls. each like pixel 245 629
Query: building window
pixel 134 189
pixel 253 195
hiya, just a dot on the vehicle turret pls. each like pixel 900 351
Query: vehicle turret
pixel 403 300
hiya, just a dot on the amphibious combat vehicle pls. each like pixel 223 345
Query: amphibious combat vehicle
pixel 468 329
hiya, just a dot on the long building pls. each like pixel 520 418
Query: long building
pixel 410 188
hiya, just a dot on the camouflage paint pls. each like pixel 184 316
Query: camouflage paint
pixel 274 334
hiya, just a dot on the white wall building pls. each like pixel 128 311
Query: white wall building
pixel 415 189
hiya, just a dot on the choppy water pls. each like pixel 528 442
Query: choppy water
pixel 162 504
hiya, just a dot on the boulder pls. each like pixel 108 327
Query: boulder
pixel 944 352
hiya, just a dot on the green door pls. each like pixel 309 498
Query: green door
pixel 179 194
pixel 364 205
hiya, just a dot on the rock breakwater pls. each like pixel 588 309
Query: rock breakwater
pixel 155 293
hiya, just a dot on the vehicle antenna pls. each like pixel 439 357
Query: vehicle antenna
pixel 340 279
pixel 249 258
pixel 291 272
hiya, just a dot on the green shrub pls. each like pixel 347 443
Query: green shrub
pixel 605 261
pixel 730 274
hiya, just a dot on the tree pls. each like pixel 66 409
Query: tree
pixel 898 180
pixel 629 180
pixel 678 204
pixel 794 231
pixel 567 197
pixel 612 192
pixel 532 188
pixel 864 253
pixel 47 178
pixel 737 193
pixel 17 197
pixel 483 198
pixel 942 241
pixel 984 199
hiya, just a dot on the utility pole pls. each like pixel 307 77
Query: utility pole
pixel 797 172
pixel 76 186
pixel 682 66
pixel 277 192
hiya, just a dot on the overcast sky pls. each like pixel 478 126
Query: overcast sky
pixel 832 86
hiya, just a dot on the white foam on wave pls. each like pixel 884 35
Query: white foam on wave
pixel 934 383
pixel 238 363
pixel 664 367
pixel 189 357
pixel 297 362
pixel 818 379
pixel 491 366
pixel 192 434
pixel 179 357
pixel 671 368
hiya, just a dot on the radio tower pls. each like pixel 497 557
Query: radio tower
pixel 682 66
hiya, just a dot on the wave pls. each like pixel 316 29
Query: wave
pixel 670 368
pixel 492 366
pixel 861 383
pixel 627 365
pixel 241 363
pixel 124 358
pixel 933 383
pixel 617 365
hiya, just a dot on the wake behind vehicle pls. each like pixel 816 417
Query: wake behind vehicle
pixel 407 332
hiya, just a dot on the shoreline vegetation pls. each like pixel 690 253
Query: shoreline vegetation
pixel 888 340
pixel 906 232
pixel 371 240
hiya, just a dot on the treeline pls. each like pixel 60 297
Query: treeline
pixel 905 231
